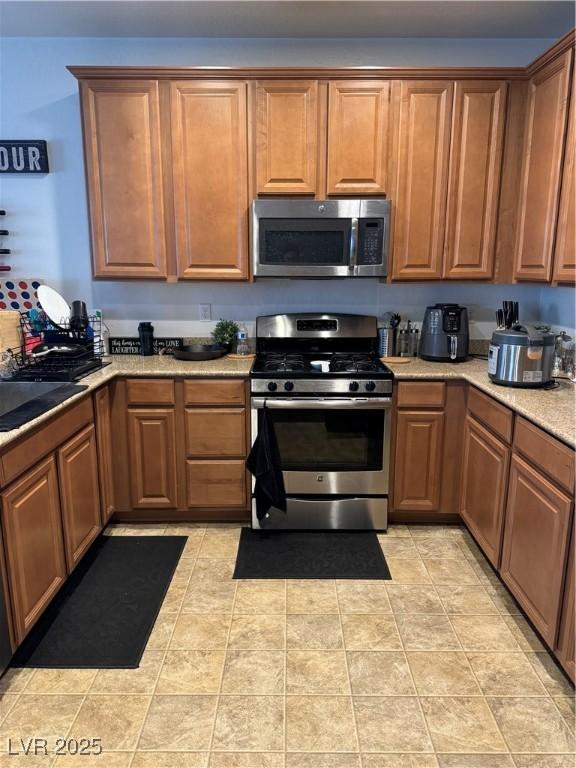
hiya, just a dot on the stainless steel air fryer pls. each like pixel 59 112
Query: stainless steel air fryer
pixel 521 357
pixel 444 336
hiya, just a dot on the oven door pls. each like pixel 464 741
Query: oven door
pixel 330 446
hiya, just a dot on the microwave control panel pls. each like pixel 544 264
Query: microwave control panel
pixel 370 242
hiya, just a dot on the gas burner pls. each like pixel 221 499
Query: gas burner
pixel 284 362
pixel 343 363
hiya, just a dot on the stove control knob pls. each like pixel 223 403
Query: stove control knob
pixel 272 386
pixel 288 386
pixel 353 386
pixel 370 386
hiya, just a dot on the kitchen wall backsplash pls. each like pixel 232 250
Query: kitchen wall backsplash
pixel 174 309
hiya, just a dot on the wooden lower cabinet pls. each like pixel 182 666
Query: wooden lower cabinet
pixel 566 645
pixel 216 432
pixel 535 549
pixel 32 528
pixel 152 452
pixel 79 494
pixel 418 460
pixel 104 446
pixel 216 483
pixel 484 481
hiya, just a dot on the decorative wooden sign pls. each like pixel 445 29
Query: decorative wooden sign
pixel 23 156
pixel 130 345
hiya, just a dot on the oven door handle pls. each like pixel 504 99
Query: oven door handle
pixel 321 403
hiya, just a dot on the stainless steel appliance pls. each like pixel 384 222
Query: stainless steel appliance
pixel 521 357
pixel 444 334
pixel 320 238
pixel 329 399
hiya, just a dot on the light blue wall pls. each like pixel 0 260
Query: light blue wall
pixel 48 219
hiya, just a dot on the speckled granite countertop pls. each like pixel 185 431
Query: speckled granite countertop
pixel 553 410
pixel 124 365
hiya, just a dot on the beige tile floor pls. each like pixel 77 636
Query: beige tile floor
pixel 434 669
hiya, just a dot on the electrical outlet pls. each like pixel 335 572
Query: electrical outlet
pixel 205 312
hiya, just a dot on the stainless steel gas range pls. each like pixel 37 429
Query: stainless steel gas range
pixel 319 381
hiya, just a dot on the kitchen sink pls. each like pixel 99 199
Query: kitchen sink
pixel 22 401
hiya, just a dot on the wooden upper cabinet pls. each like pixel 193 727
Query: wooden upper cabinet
pixel 536 539
pixel 122 147
pixel 79 494
pixel 422 149
pixel 286 137
pixel 565 249
pixel 541 170
pixel 33 539
pixel 210 177
pixel 358 136
pixel 474 184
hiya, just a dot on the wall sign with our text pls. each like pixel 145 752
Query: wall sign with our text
pixel 23 156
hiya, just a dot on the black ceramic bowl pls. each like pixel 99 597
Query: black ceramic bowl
pixel 200 352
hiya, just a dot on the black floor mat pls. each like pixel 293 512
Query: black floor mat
pixel 310 555
pixel 103 615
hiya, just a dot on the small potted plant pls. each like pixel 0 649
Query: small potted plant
pixel 224 333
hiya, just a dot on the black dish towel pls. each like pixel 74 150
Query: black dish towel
pixel 264 463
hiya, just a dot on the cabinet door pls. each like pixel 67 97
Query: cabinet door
pixel 485 475
pixel 536 538
pixel 565 649
pixel 79 494
pixel 104 445
pixel 474 185
pixel 121 120
pixel 216 432
pixel 34 548
pixel 541 170
pixel 421 163
pixel 210 168
pixel 152 448
pixel 216 483
pixel 358 137
pixel 418 461
pixel 287 137
pixel 565 249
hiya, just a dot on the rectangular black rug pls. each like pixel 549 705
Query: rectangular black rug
pixel 310 555
pixel 103 615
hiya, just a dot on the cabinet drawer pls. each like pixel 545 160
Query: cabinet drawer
pixel 216 432
pixel 552 456
pixel 150 391
pixel 215 392
pixel 421 394
pixel 216 483
pixel 48 437
pixel 495 416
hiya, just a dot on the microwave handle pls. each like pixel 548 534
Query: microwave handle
pixel 353 246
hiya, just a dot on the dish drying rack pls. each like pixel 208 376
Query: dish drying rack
pixel 36 329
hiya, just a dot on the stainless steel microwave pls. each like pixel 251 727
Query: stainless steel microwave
pixel 320 238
